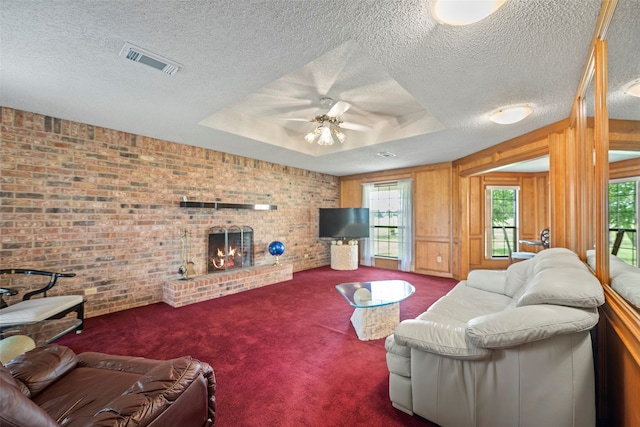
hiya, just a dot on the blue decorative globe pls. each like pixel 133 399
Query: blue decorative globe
pixel 276 248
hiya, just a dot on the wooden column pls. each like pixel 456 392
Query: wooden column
pixel 601 139
pixel 559 182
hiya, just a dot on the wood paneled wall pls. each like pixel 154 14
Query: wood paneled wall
pixel 450 206
pixel 533 213
pixel 433 196
pixel 619 328
pixel 471 181
pixel 433 220
pixel 618 363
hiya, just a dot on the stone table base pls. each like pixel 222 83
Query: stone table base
pixel 376 322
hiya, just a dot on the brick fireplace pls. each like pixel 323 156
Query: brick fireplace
pixel 230 259
pixel 229 248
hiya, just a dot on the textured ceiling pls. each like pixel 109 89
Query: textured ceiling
pixel 424 88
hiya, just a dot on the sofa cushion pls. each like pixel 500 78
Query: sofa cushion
pixel 464 302
pixel 627 284
pixel 517 275
pixel 40 367
pixel 16 409
pixel 522 325
pixel 488 280
pixel 568 286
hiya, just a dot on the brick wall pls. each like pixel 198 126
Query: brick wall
pixel 104 204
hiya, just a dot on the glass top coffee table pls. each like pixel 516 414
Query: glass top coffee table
pixel 377 308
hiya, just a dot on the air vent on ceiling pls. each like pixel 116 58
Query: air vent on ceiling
pixel 143 56
pixel 385 154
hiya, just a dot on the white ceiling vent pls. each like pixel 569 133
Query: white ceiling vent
pixel 143 56
pixel 385 154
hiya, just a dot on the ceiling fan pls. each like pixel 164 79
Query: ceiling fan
pixel 330 126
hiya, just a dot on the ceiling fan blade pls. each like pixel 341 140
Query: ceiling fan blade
pixel 355 126
pixel 338 109
pixel 294 119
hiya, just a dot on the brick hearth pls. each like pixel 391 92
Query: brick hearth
pixel 178 293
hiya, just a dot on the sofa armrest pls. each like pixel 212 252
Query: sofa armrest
pixel 40 367
pixel 16 409
pixel 112 362
pixel 156 390
pixel 439 335
pixel 528 324
pixel 488 280
pixel 210 378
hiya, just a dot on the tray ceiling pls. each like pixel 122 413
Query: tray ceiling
pixel 249 67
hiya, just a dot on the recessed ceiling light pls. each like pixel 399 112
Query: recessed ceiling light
pixel 634 89
pixel 385 154
pixel 509 115
pixel 464 12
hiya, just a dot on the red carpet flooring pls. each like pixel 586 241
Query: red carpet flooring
pixel 283 355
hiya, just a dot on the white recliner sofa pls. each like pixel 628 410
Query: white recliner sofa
pixel 503 348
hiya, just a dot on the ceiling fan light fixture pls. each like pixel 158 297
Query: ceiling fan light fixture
pixel 634 89
pixel 509 115
pixel 328 133
pixel 311 136
pixel 464 12
pixel 325 136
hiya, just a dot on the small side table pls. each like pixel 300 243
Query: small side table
pixel 345 256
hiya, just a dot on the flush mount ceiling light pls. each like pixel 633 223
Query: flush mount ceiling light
pixel 634 89
pixel 328 133
pixel 509 115
pixel 464 12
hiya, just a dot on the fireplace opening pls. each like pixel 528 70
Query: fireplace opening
pixel 229 248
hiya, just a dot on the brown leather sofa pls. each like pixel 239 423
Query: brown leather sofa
pixel 52 386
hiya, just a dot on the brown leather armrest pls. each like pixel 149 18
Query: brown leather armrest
pixel 16 409
pixel 132 364
pixel 209 376
pixel 42 366
pixel 153 392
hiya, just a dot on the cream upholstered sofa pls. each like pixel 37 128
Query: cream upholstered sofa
pixel 503 348
pixel 625 278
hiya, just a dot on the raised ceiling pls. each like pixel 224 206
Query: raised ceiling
pixel 249 67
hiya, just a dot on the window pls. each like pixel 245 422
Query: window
pixel 391 222
pixel 623 215
pixel 385 203
pixel 502 203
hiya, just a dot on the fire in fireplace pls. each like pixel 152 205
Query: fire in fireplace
pixel 229 248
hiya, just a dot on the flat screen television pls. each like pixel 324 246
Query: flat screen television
pixel 344 223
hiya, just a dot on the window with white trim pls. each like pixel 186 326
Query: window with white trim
pixel 623 215
pixel 501 211
pixel 385 206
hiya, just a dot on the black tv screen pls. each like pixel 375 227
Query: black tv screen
pixel 341 223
